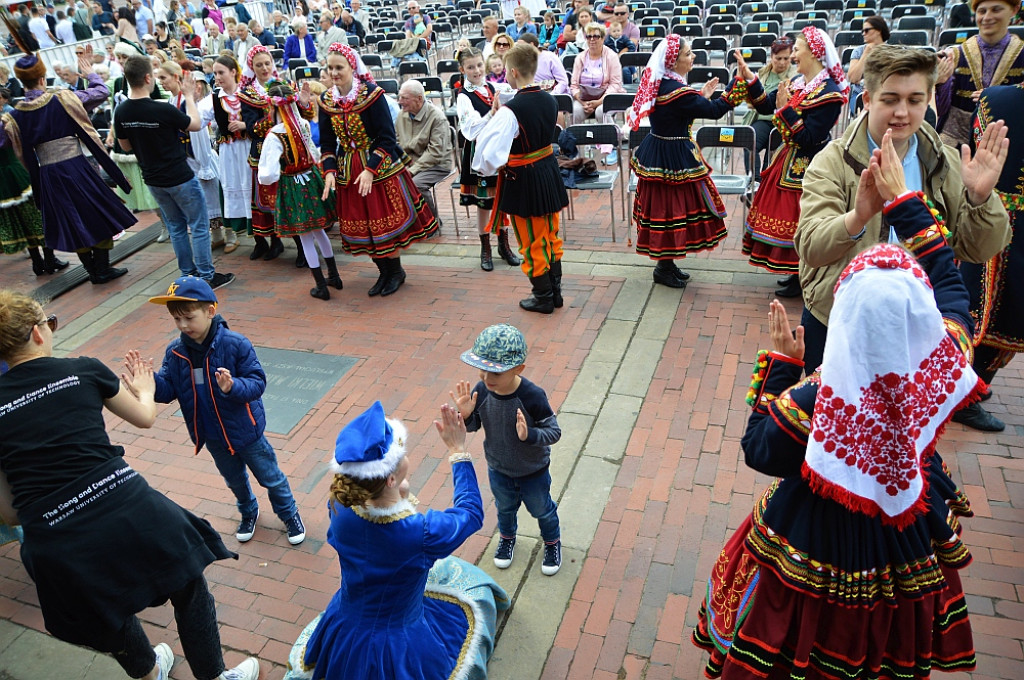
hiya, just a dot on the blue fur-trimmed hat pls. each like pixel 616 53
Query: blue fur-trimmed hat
pixel 369 447
pixel 497 349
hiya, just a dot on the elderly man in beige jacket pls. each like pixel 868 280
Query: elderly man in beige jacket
pixel 840 214
pixel 424 134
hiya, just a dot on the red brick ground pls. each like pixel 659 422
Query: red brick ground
pixel 681 489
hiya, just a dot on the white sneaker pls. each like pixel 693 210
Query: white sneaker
pixel 162 238
pixel 164 659
pixel 247 670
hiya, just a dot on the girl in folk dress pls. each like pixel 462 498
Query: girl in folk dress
pixel 289 160
pixel 224 107
pixel 380 211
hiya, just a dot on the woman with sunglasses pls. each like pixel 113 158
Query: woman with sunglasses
pixel 88 517
pixel 595 74
pixel 875 32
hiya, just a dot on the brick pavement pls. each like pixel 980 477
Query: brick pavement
pixel 649 385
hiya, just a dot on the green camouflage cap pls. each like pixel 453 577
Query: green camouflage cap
pixel 497 349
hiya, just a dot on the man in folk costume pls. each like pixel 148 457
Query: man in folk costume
pixel 47 131
pixel 993 57
pixel 997 286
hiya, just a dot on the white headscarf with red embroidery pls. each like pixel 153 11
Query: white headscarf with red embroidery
pixel 824 51
pixel 890 380
pixel 659 66
pixel 249 75
pixel 360 73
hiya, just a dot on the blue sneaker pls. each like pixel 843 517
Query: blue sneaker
pixel 296 531
pixel 246 528
pixel 612 158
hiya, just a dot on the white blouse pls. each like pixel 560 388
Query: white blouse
pixel 494 142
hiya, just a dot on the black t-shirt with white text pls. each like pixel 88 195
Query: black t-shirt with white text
pixel 152 128
pixel 51 416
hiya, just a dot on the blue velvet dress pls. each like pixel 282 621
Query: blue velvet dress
pixel 398 615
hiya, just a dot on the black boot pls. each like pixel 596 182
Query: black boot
pixel 261 249
pixel 792 288
pixel 320 292
pixel 276 248
pixel 376 288
pixel 396 277
pixel 333 277
pixel 486 263
pixel 38 268
pixel 504 251
pixel 665 274
pixel 50 262
pixel 977 418
pixel 300 258
pixel 87 262
pixel 680 274
pixel 542 300
pixel 555 274
pixel 104 272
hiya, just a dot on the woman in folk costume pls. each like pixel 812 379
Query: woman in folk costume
pixel 47 131
pixel 406 609
pixel 258 114
pixel 289 161
pixel 380 211
pixel 224 107
pixel 848 565
pixel 805 110
pixel 677 209
pixel 201 157
pixel 473 106
pixel 997 286
pixel 992 57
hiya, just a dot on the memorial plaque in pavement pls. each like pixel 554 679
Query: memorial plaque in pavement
pixel 296 381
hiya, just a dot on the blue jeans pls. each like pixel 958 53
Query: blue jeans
pixel 259 457
pixel 183 208
pixel 532 490
pixel 815 333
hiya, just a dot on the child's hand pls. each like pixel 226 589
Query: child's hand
pixel 224 380
pixel 464 398
pixel 521 429
pixel 139 377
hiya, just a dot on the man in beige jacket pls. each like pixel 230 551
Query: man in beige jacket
pixel 423 134
pixel 838 220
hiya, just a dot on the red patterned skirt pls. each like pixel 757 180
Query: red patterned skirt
pixel 675 219
pixel 755 626
pixel 264 204
pixel 389 219
pixel 771 222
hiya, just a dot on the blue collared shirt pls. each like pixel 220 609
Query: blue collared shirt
pixel 911 172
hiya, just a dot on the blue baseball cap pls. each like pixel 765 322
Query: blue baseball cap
pixel 497 349
pixel 186 289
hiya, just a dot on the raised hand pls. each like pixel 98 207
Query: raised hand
pixel 452 429
pixel 709 88
pixel 784 340
pixel 522 431
pixel 305 94
pixel 888 170
pixel 224 380
pixel 981 172
pixel 464 398
pixel 868 201
pixel 742 68
pixel 782 95
pixel 138 378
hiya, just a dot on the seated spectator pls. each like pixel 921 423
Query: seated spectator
pixel 13 85
pixel 495 70
pixel 629 29
pixel 265 37
pixel 361 15
pixel 348 23
pixel 211 11
pixel 5 101
pixel 549 32
pixel 144 20
pixel 424 135
pixel 875 32
pixel 604 11
pixel 279 25
pixel 567 40
pixel 244 41
pixel 328 35
pixel 586 17
pixel 521 25
pixel 570 18
pixel 216 41
pixel 162 35
pixel 300 45
pixel 595 74
pixel 620 44
pixel 427 31
pixel 551 75
pixel 490 29
pixel 960 16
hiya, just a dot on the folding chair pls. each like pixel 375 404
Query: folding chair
pixel 413 68
pixel 731 10
pixel 955 36
pixel 861 4
pixel 593 135
pixel 649 34
pixel 801 24
pixel 688 31
pixel 767 16
pixel 749 8
pixel 912 38
pixel 711 44
pixel 751 55
pixel 769 27
pixel 851 15
pixel 759 40
pixel 733 29
pixel 389 85
pixel 740 137
pixel 296 63
pixel 615 105
pixel 848 39
pixel 908 10
pixel 909 23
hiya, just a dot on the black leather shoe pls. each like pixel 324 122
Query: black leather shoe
pixel 680 274
pixel 376 288
pixel 542 301
pixel 276 248
pixel 977 418
pixel 784 281
pixel 261 249
pixel 667 277
pixel 791 289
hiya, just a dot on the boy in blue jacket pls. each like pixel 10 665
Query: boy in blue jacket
pixel 214 374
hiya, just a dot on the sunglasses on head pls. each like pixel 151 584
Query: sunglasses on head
pixel 50 321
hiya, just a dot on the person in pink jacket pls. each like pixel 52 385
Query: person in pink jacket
pixel 596 73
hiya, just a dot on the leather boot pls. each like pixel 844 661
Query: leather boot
pixel 555 274
pixel 276 248
pixel 977 418
pixel 87 262
pixel 104 272
pixel 504 251
pixel 333 277
pixel 542 300
pixel 261 249
pixel 320 291
pixel 300 258
pixel 396 277
pixel 792 288
pixel 486 263
pixel 665 274
pixel 376 288
pixel 680 274
pixel 50 262
pixel 38 268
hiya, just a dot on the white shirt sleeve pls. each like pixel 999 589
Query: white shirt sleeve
pixel 269 170
pixel 494 142
pixel 470 120
pixel 205 107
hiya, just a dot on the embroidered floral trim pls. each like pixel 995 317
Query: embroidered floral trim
pixel 757 377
